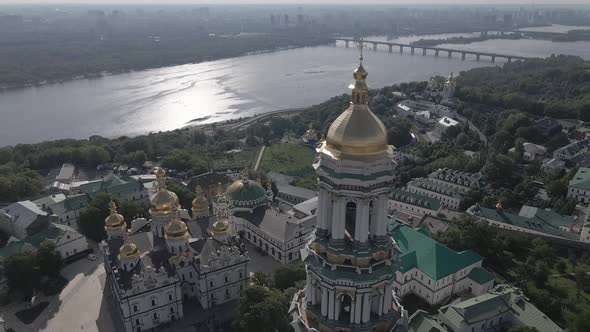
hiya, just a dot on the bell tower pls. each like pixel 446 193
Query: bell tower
pixel 351 262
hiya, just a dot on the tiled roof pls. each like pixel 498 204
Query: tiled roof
pixel 543 223
pixel 503 299
pixel 415 199
pixel 23 213
pixel 420 251
pixel 480 275
pixel 582 179
pixel 437 187
pixel 421 321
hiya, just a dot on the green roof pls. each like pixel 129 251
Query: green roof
pixel 245 193
pixel 503 299
pixel 422 321
pixel 543 221
pixel 114 185
pixel 480 275
pixel 76 202
pixel 420 251
pixel 582 179
pixel 415 199
pixel 52 232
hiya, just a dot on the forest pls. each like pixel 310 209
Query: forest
pixel 30 62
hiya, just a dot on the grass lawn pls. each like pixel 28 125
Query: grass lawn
pixel 287 159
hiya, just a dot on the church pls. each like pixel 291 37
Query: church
pixel 157 265
pixel 351 263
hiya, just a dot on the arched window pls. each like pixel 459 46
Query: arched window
pixel 350 219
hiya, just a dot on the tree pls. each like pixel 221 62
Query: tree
pixel 91 223
pixel 48 259
pixel 541 274
pixel 21 273
pixel 262 310
pixel 287 276
pixel 261 279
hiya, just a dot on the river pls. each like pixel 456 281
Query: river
pixel 168 98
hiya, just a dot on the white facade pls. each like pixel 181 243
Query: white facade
pixel 434 291
pixel 445 123
pixel 71 243
pixel 448 197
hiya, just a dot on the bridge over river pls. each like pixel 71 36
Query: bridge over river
pixel 436 50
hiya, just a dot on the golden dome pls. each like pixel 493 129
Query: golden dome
pixel 219 226
pixel 114 220
pixel 163 200
pixel 128 249
pixel 176 228
pixel 358 130
pixel 200 203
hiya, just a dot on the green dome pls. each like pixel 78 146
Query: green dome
pixel 245 193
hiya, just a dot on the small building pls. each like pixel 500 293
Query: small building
pixel 532 221
pixel 573 150
pixel 445 123
pixel 498 310
pixel 231 171
pixel 68 242
pixel 279 234
pixel 425 112
pixel 448 195
pixel 547 126
pixel 23 219
pixel 532 151
pixel 553 166
pixel 432 271
pixel 413 203
pixel 579 186
pixel 294 195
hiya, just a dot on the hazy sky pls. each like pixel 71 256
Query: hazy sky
pixel 409 2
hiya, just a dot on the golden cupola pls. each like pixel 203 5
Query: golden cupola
pixel 163 201
pixel 114 220
pixel 176 229
pixel 128 250
pixel 200 203
pixel 357 131
pixel 219 226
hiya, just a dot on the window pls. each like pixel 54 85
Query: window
pixel 170 297
pixel 155 315
pixel 134 308
pixel 210 283
pixel 172 310
pixel 153 302
pixel 137 322
pixel 226 279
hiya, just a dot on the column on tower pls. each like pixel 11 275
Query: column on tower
pixel 366 307
pixel 364 225
pixel 381 222
pixel 330 304
pixel 338 216
pixel 324 302
pixel 387 299
pixel 308 287
pixel 380 304
pixel 352 310
pixel 358 309
pixel 323 202
pixel 337 305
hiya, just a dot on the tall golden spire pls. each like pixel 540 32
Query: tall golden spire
pixel 360 90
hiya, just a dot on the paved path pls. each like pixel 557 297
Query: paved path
pixel 81 305
pixel 260 154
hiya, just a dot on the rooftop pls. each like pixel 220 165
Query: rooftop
pixel 418 250
pixel 544 221
pixel 415 199
pixel 280 226
pixel 503 299
pixel 296 191
pixel 23 213
pixel 582 179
